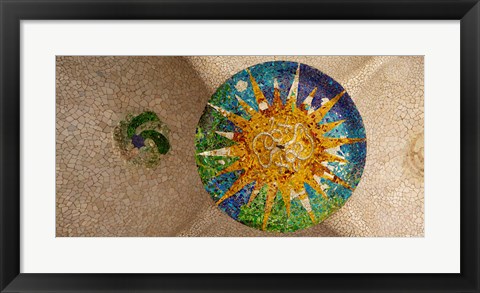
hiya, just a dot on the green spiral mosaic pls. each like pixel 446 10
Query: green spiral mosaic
pixel 141 139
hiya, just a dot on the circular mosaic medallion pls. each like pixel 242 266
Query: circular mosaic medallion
pixel 280 146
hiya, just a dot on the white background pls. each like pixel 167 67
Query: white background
pixel 438 251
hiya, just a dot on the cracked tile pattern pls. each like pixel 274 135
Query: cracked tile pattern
pixel 97 194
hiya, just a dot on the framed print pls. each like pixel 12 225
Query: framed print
pixel 239 146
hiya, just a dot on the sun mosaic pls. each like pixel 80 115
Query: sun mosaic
pixel 280 146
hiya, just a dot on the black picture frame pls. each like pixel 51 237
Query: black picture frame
pixel 13 11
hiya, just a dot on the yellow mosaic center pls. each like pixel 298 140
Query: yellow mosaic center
pixel 283 145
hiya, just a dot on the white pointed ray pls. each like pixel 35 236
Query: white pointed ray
pixel 304 200
pixel 228 135
pixel 306 204
pixel 292 95
pixel 334 151
pixel 253 195
pixel 259 96
pixel 328 175
pixel 237 120
pixel 294 195
pixel 308 101
pixel 242 102
pixel 220 152
pixel 325 164
pixel 275 84
pixel 221 110
pixel 319 182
